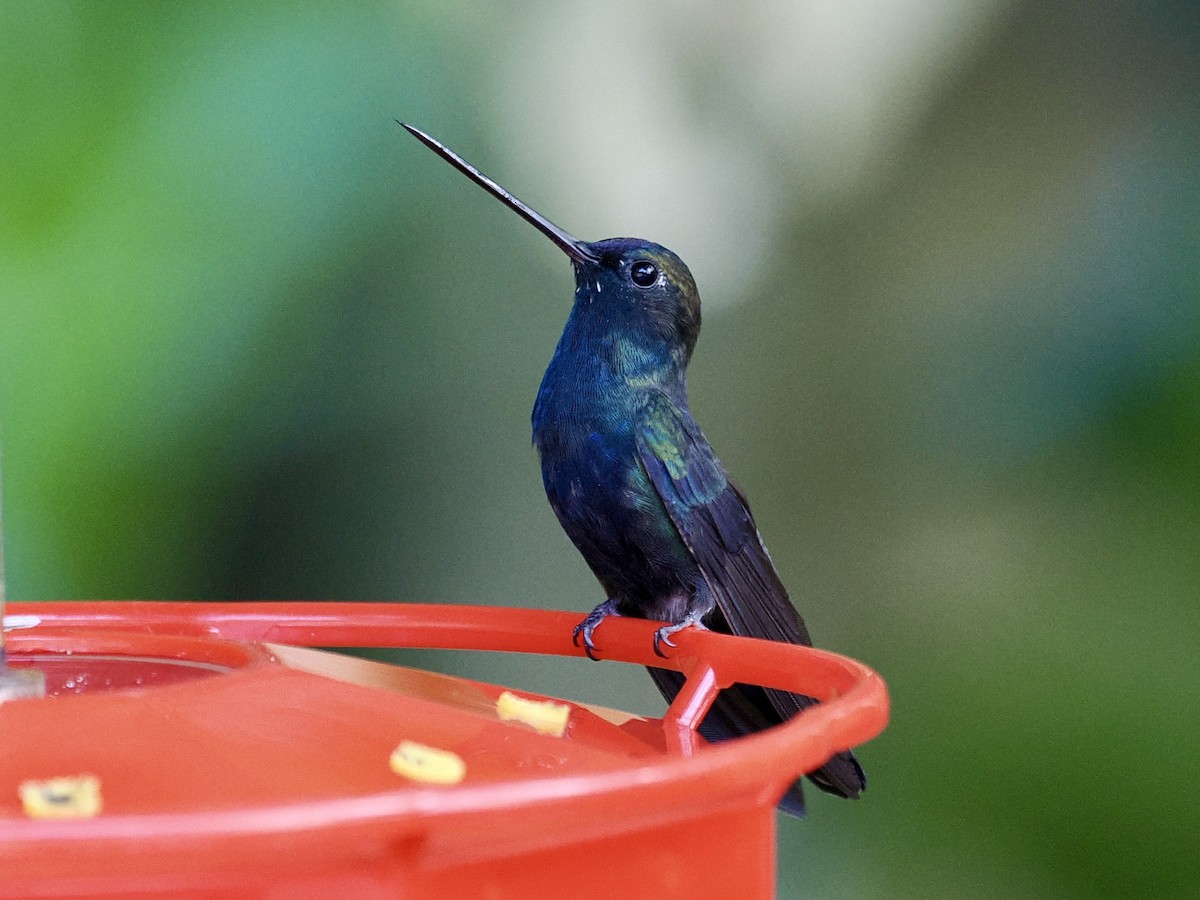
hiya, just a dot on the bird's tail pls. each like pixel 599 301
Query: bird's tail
pixel 744 709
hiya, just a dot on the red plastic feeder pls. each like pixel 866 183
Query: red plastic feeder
pixel 233 761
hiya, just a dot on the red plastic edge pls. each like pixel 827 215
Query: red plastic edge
pixel 854 709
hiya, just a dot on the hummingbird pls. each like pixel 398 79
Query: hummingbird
pixel 637 487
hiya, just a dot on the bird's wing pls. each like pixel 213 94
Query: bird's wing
pixel 713 520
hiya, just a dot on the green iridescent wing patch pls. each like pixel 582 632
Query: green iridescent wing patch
pixel 714 521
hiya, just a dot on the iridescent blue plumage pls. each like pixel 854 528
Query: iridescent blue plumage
pixel 588 422
pixel 636 486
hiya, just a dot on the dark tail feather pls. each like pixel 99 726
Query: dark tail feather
pixel 792 802
pixel 744 709
pixel 842 776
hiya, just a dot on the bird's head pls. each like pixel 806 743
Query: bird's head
pixel 636 286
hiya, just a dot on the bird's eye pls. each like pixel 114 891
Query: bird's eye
pixel 644 273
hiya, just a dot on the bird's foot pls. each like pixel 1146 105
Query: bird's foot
pixel 588 626
pixel 663 635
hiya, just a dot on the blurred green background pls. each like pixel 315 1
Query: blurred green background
pixel 256 342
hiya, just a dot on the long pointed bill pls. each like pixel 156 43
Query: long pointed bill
pixel 579 251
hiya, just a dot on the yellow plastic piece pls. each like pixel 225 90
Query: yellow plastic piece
pixel 427 764
pixel 546 716
pixel 76 797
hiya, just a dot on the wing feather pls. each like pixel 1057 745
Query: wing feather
pixel 714 521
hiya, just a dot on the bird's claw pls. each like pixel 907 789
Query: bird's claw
pixel 659 640
pixel 588 626
pixel 585 628
pixel 663 635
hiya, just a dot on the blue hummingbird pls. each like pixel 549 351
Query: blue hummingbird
pixel 635 484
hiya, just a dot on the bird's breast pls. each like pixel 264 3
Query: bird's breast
pixel 584 430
